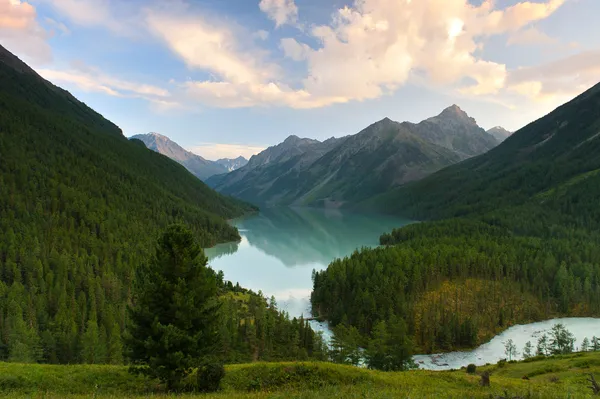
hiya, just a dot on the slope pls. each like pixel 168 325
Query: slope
pixel 81 208
pixel 343 171
pixel 539 157
pixel 546 378
pixel 514 238
pixel 198 166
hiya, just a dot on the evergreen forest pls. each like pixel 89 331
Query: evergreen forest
pixel 508 237
pixel 82 208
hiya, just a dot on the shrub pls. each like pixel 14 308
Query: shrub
pixel 209 377
pixel 471 368
pixel 502 363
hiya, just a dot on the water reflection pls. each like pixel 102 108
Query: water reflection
pixel 302 236
pixel 281 246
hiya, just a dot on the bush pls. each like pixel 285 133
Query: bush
pixel 502 363
pixel 209 377
pixel 303 376
pixel 471 368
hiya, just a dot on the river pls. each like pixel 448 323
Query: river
pixel 493 351
pixel 280 248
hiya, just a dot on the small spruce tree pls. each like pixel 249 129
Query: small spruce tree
pixel 527 350
pixel 173 319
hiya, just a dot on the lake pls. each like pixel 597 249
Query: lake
pixel 493 351
pixel 280 248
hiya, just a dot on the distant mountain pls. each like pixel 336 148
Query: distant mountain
pixel 200 167
pixel 332 173
pixel 232 164
pixel 552 162
pixel 499 133
pixel 455 130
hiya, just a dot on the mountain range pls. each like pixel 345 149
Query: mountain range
pixel 350 169
pixel 551 161
pixel 198 166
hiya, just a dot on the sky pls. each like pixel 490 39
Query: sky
pixel 231 77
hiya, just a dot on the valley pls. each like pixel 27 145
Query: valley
pixel 132 267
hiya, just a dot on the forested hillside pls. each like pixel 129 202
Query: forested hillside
pixel 81 208
pixel 516 240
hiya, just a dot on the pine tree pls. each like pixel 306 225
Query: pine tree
pixel 115 345
pixel 173 319
pixel 527 350
pixel 595 344
pixel 377 350
pixel 93 349
pixel 585 345
pixel 510 349
pixel 542 346
pixel 562 340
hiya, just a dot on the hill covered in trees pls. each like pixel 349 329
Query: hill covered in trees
pixel 512 238
pixel 81 210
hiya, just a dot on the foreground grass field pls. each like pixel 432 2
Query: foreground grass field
pixel 557 377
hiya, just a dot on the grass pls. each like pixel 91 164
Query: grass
pixel 552 378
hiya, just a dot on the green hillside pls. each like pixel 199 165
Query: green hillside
pixel 81 208
pixel 552 378
pixel 546 154
pixel 513 237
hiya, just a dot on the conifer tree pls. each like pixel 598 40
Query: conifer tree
pixel 173 319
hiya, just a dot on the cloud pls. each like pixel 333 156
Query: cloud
pixel 558 80
pixel 530 37
pixel 214 151
pixel 281 11
pixel 294 50
pixel 366 51
pixel 58 26
pixel 92 80
pixel 205 46
pixel 118 17
pixel 261 34
pixel 240 77
pixel 21 33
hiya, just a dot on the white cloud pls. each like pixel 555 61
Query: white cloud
pixel 58 26
pixel 261 34
pixel 281 11
pixel 92 80
pixel 21 33
pixel 530 37
pixel 368 50
pixel 202 45
pixel 375 46
pixel 214 151
pixel 118 17
pixel 559 80
pixel 294 50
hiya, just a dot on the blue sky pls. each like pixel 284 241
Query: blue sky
pixel 231 77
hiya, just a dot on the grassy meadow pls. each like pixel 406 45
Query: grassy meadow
pixel 556 377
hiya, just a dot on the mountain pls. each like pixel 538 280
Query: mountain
pixel 499 133
pixel 507 237
pixel 552 155
pixel 337 172
pixel 455 130
pixel 198 166
pixel 232 164
pixel 82 207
